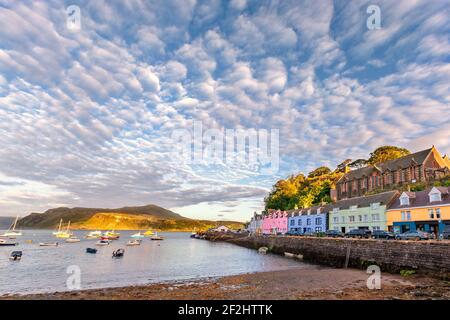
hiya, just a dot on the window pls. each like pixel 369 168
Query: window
pixel 299 222
pixel 335 210
pixel 431 213
pixel 408 215
pixel 404 200
pixel 438 213
pixel 435 197
pixel 366 218
pixel 343 219
pixel 335 219
pixel 360 218
pixel 376 228
pixel 318 229
pixel 318 220
pixel 292 222
pixel 308 221
pixel 376 217
pixel 351 218
pixel 374 206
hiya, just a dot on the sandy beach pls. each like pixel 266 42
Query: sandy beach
pixel 297 284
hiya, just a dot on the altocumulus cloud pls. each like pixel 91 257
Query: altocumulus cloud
pixel 86 117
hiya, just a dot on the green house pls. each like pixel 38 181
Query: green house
pixel 368 212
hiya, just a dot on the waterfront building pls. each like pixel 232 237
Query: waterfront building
pixel 256 224
pixel 427 210
pixel 275 222
pixel 368 212
pixel 422 166
pixel 314 219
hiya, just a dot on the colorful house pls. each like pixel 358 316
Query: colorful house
pixel 427 210
pixel 275 222
pixel 256 224
pixel 367 212
pixel 314 219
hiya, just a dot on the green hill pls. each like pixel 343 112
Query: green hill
pixel 126 218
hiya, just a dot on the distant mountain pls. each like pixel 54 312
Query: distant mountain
pixel 127 218
pixel 6 222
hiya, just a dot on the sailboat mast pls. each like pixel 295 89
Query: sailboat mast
pixel 15 222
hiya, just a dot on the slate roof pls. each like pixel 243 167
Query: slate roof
pixel 384 198
pixel 421 199
pixel 392 165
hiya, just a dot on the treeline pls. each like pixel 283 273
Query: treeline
pixel 300 191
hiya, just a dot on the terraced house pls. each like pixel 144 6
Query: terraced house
pixel 367 212
pixel 275 222
pixel 314 219
pixel 427 210
pixel 255 225
pixel 421 166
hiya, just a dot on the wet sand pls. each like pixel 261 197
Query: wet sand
pixel 301 283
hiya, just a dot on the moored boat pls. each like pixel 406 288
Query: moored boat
pixel 91 250
pixel 5 243
pixel 72 240
pixel 118 253
pixel 15 255
pixel 12 232
pixel 94 235
pixel 137 235
pixel 48 244
pixel 64 234
pixel 102 242
pixel 111 235
pixel 156 237
pixel 148 233
pixel 133 243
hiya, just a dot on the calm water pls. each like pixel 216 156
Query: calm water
pixel 43 269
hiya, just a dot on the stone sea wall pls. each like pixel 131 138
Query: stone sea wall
pixel 427 257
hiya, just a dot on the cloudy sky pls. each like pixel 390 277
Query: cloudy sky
pixel 86 116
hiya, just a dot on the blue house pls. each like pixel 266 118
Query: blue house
pixel 314 219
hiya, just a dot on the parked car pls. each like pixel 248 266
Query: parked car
pixel 334 234
pixel 309 234
pixel 293 233
pixel 446 232
pixel 412 235
pixel 381 234
pixel 358 233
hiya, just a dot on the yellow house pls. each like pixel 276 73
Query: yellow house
pixel 427 210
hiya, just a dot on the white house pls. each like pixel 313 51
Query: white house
pixel 221 229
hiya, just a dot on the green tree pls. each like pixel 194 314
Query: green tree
pixel 320 171
pixel 386 153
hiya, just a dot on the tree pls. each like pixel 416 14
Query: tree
pixel 386 153
pixel 320 171
pixel 341 167
pixel 358 163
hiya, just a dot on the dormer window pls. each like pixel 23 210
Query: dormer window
pixel 375 206
pixel 435 195
pixel 404 200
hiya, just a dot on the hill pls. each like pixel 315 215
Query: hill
pixel 126 218
pixel 6 222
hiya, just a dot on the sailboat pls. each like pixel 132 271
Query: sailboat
pixel 94 235
pixel 156 237
pixel 55 233
pixel 65 234
pixel 148 233
pixel 111 235
pixel 137 235
pixel 12 230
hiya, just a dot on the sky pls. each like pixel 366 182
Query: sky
pixel 87 116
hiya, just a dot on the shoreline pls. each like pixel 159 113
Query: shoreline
pixel 300 283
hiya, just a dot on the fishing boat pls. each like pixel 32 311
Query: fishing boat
pixel 12 232
pixel 72 240
pixel 118 253
pixel 5 243
pixel 48 244
pixel 148 233
pixel 94 235
pixel 15 255
pixel 133 243
pixel 65 234
pixel 111 235
pixel 91 250
pixel 102 242
pixel 137 235
pixel 156 237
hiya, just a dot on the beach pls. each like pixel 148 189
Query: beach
pixel 297 284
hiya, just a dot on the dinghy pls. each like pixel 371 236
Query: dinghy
pixel 118 253
pixel 15 255
pixel 48 244
pixel 156 237
pixel 102 242
pixel 72 240
pixel 91 250
pixel 133 243
pixel 5 243
pixel 137 235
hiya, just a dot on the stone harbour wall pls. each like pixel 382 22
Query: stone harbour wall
pixel 427 257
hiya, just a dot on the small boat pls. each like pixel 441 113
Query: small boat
pixel 5 243
pixel 55 233
pixel 72 240
pixel 65 234
pixel 12 232
pixel 263 250
pixel 148 233
pixel 156 237
pixel 193 234
pixel 102 242
pixel 48 244
pixel 134 243
pixel 137 235
pixel 94 235
pixel 91 250
pixel 111 235
pixel 118 253
pixel 15 255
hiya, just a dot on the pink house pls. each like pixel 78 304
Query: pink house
pixel 276 221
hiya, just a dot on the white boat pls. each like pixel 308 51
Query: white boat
pixel 134 243
pixel 72 240
pixel 94 235
pixel 102 242
pixel 12 232
pixel 137 235
pixel 5 243
pixel 65 234
pixel 156 237
pixel 111 235
pixel 48 244
pixel 55 233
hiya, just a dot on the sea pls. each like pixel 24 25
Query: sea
pixel 176 258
